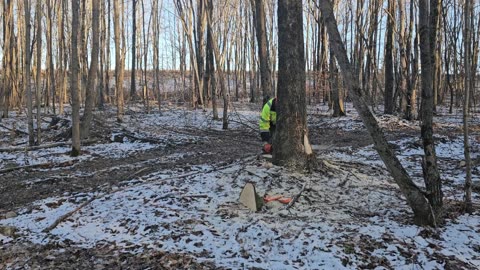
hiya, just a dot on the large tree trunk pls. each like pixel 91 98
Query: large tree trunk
pixel 263 55
pixel 291 108
pixel 92 72
pixel 74 73
pixel 430 169
pixel 415 197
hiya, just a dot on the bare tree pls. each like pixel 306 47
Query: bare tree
pixel 51 70
pixel 414 195
pixel 199 33
pixel 431 174
pixel 26 77
pixel 403 62
pixel 133 92
pixel 291 110
pixel 8 58
pixel 119 61
pixel 209 78
pixel 467 41
pixel 263 55
pixel 389 79
pixel 91 92
pixel 38 79
pixel 74 79
pixel 63 57
pixel 435 9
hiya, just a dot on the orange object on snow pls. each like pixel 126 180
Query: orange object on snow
pixel 285 200
pixel 279 198
pixel 268 199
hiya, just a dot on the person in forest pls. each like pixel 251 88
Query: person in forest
pixel 268 120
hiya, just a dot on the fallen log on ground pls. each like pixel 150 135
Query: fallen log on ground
pixel 45 146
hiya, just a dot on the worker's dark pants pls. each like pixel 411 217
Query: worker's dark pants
pixel 268 136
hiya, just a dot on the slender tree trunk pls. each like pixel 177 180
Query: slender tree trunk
pixel 51 70
pixel 413 73
pixel 209 78
pixel 118 59
pixel 83 51
pixel 435 11
pixel 38 99
pixel 26 77
pixel 156 54
pixel 219 64
pixel 468 77
pixel 403 62
pixel 107 70
pixel 145 56
pixel 103 67
pixel 133 92
pixel 253 72
pixel 415 197
pixel 389 78
pixel 430 169
pixel 74 77
pixel 92 72
pixel 263 55
pixel 200 48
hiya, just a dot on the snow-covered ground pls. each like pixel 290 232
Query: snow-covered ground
pixel 352 216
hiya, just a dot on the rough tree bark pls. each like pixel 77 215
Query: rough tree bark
pixel 118 59
pixel 291 108
pixel 467 42
pixel 91 92
pixel 431 174
pixel 74 77
pixel 403 62
pixel 434 24
pixel 26 77
pixel 337 96
pixel 133 92
pixel 51 69
pixel 209 78
pixel 389 79
pixel 38 80
pixel 423 214
pixel 263 55
pixel 200 49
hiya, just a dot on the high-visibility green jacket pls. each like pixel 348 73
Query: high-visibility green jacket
pixel 267 117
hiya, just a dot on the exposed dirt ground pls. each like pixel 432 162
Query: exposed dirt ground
pixel 19 188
